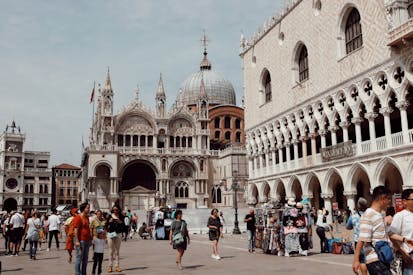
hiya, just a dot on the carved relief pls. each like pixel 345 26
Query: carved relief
pixel 136 124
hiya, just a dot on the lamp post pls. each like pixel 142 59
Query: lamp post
pixel 235 189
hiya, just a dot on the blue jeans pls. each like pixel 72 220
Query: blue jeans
pixel 82 255
pixel 251 239
pixel 408 270
pixel 33 248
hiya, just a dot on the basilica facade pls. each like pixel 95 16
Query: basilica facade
pixel 332 82
pixel 188 156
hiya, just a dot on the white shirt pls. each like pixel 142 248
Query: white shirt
pixel 402 225
pixel 126 221
pixel 17 220
pixel 99 245
pixel 54 222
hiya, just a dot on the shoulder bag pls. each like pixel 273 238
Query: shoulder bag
pixel 383 250
pixel 178 238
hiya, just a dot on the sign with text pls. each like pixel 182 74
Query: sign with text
pixel 338 151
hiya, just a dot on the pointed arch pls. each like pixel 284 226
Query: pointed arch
pixel 390 174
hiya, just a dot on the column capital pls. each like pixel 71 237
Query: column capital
pixel 313 135
pixel 349 193
pixel 303 138
pixel 371 116
pixel 386 111
pixel 344 124
pixel 333 128
pixel 357 120
pixel 295 142
pixel 327 196
pixel 402 105
pixel 322 133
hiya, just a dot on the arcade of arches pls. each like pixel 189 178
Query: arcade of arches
pixel 334 187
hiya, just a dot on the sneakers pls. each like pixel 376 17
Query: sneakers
pixel 118 269
pixel 48 249
pixel 216 257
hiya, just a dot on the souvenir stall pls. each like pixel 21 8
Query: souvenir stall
pixel 269 228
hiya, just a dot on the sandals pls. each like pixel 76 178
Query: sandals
pixel 118 269
pixel 110 269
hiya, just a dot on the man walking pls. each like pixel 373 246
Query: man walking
pixel 54 229
pixel 373 230
pixel 83 238
pixel 17 230
pixel 250 220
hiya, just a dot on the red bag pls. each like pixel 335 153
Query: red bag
pixel 337 248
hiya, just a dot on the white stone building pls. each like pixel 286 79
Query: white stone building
pixel 146 158
pixel 25 176
pixel 331 82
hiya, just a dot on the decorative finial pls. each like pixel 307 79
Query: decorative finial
pixel 205 64
pixel 137 93
pixel 205 41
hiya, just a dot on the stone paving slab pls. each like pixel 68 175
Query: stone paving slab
pixel 157 257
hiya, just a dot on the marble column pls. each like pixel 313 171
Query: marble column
pixel 344 125
pixel 333 130
pixel 357 121
pixel 323 138
pixel 386 111
pixel 295 142
pixel 372 129
pixel 288 154
pixel 403 115
pixel 328 206
pixel 350 195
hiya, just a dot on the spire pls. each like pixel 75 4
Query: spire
pixel 137 93
pixel 108 84
pixel 205 64
pixel 161 91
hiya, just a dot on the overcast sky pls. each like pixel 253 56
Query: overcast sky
pixel 52 51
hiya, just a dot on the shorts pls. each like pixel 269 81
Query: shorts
pixel 16 235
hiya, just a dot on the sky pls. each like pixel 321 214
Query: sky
pixel 52 51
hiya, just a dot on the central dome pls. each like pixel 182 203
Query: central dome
pixel 218 89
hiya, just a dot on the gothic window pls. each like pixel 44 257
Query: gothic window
pixel 238 137
pixel 216 194
pixel 354 38
pixel 182 190
pixel 227 122
pixel 267 87
pixel 216 122
pixel 303 64
pixel 217 134
pixel 237 123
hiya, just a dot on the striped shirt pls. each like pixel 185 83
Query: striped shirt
pixel 372 230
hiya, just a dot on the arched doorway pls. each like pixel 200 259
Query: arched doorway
pixel 280 193
pixel 296 190
pixel 360 180
pixel 182 172
pixel 138 186
pixel 314 189
pixel 337 188
pixel 138 174
pixel 10 204
pixel 391 178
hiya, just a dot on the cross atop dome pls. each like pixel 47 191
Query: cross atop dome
pixel 204 41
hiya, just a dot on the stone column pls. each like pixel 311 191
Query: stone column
pixel 372 130
pixel 280 155
pixel 350 195
pixel 295 142
pixel 323 138
pixel 304 149
pixel 274 160
pixel 386 111
pixel 328 206
pixel 267 160
pixel 344 125
pixel 288 154
pixel 333 130
pixel 124 141
pixel 357 121
pixel 402 105
pixel 313 145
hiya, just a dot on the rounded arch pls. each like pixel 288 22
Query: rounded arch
pixel 9 204
pixel 389 174
pixel 102 163
pixel 138 173
pixel 347 12
pixel 265 85
pixel 300 62
pixel 127 121
pixel 182 168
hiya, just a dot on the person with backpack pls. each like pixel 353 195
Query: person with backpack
pixel 179 237
pixel 353 223
pixel 373 236
pixel 82 238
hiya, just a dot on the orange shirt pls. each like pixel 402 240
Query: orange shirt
pixel 83 229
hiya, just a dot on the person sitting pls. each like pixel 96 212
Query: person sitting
pixel 143 231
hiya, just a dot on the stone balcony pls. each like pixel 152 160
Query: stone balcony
pixel 400 34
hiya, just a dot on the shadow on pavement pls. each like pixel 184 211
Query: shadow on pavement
pixel 193 266
pixel 135 268
pixel 12 270
pixel 49 258
pixel 227 257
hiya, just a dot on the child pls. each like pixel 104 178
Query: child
pixel 99 246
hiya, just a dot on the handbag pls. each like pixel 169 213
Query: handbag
pixel 178 238
pixel 384 251
pixel 112 235
pixel 348 248
pixel 337 248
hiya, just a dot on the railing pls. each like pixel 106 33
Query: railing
pixel 366 147
pixel 37 170
pixel 381 143
pixel 397 139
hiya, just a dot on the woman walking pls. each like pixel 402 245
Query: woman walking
pixel 179 237
pixel 32 232
pixel 215 232
pixel 70 231
pixel 114 228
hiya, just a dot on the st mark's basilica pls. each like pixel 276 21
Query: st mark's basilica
pixel 189 156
